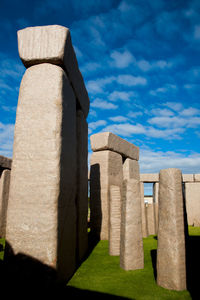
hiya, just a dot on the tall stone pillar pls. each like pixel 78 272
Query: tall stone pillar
pixel 131 248
pixel 155 202
pixel 171 265
pixel 143 212
pixel 106 170
pixel 42 211
pixel 4 194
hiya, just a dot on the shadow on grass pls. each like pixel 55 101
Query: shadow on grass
pixel 192 265
pixel 24 275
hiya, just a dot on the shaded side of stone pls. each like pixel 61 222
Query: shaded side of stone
pixel 4 194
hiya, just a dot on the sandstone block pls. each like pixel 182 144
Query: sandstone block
pixel 192 196
pixel 110 141
pixel 115 218
pixel 149 177
pixel 131 169
pixel 105 170
pixel 151 218
pixel 131 248
pixel 41 216
pixel 52 44
pixel 171 265
pixel 4 194
pixel 188 177
pixel 196 177
pixel 82 184
pixel 155 202
pixel 5 163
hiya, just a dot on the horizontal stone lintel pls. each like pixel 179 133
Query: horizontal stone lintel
pixel 112 142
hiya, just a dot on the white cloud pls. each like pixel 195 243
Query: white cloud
pixel 130 80
pixel 121 60
pixel 121 95
pixel 94 125
pixel 153 161
pixel 125 129
pixel 118 119
pixel 176 106
pixel 162 112
pixel 102 104
pixel 6 139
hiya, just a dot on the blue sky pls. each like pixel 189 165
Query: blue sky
pixel 141 65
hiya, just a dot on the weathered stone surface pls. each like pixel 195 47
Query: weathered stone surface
pixel 196 177
pixel 41 215
pixel 105 170
pixel 110 141
pixel 155 202
pixel 188 177
pixel 151 218
pixel 171 266
pixel 192 196
pixel 149 177
pixel 115 220
pixel 5 163
pixel 143 212
pixel 131 169
pixel 52 44
pixel 131 248
pixel 4 194
pixel 82 184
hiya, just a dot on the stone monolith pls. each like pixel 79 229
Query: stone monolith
pixel 171 265
pixel 143 212
pixel 41 216
pixel 192 196
pixel 131 247
pixel 105 170
pixel 4 194
pixel 115 220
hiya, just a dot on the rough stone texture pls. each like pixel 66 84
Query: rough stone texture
pixel 131 248
pixel 188 177
pixel 143 212
pixel 5 163
pixel 52 44
pixel 192 196
pixel 171 266
pixel 196 177
pixel 4 194
pixel 131 169
pixel 149 177
pixel 41 216
pixel 82 184
pixel 105 170
pixel 115 220
pixel 151 218
pixel 110 141
pixel 155 202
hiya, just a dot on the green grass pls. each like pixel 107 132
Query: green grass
pixel 2 247
pixel 102 273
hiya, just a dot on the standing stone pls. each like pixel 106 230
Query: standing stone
pixel 155 203
pixel 4 194
pixel 131 169
pixel 143 212
pixel 106 170
pixel 115 220
pixel 82 184
pixel 171 265
pixel 131 248
pixel 192 196
pixel 151 218
pixel 41 216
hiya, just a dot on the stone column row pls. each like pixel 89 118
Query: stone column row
pixel 47 209
pixel 115 197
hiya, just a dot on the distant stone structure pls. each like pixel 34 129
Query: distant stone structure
pixel 48 202
pixel 171 264
pixel 5 167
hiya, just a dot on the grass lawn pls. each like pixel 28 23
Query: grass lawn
pixel 102 273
